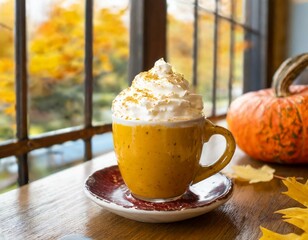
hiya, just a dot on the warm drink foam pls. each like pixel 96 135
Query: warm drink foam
pixel 158 95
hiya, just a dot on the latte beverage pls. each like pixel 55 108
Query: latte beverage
pixel 159 131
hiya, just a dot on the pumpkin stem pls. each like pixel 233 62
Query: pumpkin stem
pixel 287 72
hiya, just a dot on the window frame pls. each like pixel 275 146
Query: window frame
pixel 148 33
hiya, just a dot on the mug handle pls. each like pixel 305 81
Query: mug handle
pixel 209 130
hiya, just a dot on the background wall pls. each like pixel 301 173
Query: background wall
pixel 298 33
pixel 298 27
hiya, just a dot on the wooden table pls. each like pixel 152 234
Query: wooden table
pixel 56 207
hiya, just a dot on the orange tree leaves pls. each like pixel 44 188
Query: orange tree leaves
pixel 57 46
pixel 7 96
pixel 56 50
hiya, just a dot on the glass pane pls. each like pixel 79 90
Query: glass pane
pixel 102 143
pixel 224 7
pixel 239 8
pixel 297 36
pixel 45 161
pixel 56 64
pixel 238 74
pixel 7 85
pixel 223 67
pixel 8 174
pixel 180 36
pixel 209 5
pixel 111 51
pixel 252 14
pixel 205 59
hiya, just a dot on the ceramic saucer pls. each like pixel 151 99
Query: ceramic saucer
pixel 106 188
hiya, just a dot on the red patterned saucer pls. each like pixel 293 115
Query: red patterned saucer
pixel 106 188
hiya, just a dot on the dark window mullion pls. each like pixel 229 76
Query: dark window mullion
pixel 215 58
pixel 263 29
pixel 136 35
pixel 21 82
pixel 231 66
pixel 88 105
pixel 195 45
pixel 49 139
pixel 255 57
pixel 148 20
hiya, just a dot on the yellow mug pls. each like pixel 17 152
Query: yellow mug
pixel 160 160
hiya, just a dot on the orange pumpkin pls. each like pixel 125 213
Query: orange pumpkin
pixel 272 124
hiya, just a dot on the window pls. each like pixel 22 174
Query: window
pixel 215 43
pixel 77 61
pixel 69 58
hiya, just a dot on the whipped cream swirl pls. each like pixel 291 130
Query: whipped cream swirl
pixel 158 95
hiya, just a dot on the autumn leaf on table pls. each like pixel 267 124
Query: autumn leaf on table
pixel 269 235
pixel 296 190
pixel 252 175
pixel 296 216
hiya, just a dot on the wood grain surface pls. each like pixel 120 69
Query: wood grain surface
pixel 56 207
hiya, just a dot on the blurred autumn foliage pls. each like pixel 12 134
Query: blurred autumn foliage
pixel 56 60
pixel 7 94
pixel 56 64
pixel 180 49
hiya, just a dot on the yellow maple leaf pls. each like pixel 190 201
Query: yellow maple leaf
pixel 296 190
pixel 270 235
pixel 253 175
pixel 295 216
